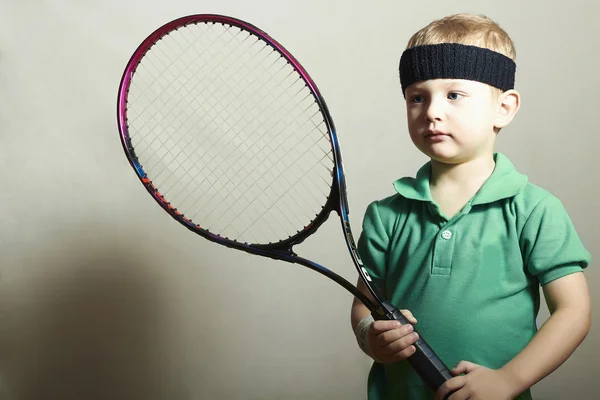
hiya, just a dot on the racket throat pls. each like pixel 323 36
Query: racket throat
pixel 387 311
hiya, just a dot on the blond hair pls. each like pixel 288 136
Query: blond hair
pixel 468 29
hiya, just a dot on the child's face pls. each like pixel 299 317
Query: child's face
pixel 452 120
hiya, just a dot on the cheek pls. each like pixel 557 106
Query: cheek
pixel 413 117
pixel 413 111
pixel 477 117
pixel 413 128
pixel 486 120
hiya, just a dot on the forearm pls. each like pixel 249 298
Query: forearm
pixel 359 310
pixel 551 346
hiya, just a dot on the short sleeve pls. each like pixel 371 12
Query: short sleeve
pixel 373 244
pixel 550 245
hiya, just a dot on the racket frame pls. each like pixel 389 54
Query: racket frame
pixel 336 201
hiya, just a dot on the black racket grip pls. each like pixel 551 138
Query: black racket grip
pixel 424 361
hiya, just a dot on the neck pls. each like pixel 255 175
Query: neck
pixel 472 173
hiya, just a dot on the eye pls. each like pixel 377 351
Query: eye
pixel 454 96
pixel 417 99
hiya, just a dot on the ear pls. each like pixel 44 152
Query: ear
pixel 508 105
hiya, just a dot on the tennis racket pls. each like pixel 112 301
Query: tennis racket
pixel 229 134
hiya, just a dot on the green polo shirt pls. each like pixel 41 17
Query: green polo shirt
pixel 472 281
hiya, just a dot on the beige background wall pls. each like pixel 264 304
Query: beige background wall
pixel 103 296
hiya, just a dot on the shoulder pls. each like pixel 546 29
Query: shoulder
pixel 543 222
pixel 535 202
pixel 524 195
pixel 408 191
pixel 384 212
pixel 549 242
pixel 533 195
pixel 389 216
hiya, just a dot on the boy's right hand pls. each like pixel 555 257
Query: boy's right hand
pixel 390 342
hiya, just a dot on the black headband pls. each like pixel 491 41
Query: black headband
pixel 456 61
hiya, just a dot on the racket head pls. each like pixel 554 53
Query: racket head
pixel 241 34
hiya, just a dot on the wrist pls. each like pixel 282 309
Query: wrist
pixel 513 382
pixel 362 334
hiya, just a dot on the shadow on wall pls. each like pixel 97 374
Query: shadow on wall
pixel 86 320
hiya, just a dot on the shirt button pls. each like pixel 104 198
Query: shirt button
pixel 446 234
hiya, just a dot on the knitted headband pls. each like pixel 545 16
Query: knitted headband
pixel 456 61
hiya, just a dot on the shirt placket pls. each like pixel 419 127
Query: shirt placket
pixel 445 241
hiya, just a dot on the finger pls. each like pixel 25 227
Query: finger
pixel 389 337
pixel 386 325
pixel 450 386
pixel 401 344
pixel 462 393
pixel 464 367
pixel 378 327
pixel 409 316
pixel 403 354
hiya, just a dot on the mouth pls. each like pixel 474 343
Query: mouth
pixel 434 133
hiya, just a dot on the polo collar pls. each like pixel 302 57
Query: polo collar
pixel 505 182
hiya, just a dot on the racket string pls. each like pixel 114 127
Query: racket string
pixel 260 150
pixel 191 127
pixel 210 162
pixel 293 197
pixel 172 64
pixel 250 203
pixel 168 68
pixel 233 138
pixel 300 205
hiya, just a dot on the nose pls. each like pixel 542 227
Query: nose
pixel 434 110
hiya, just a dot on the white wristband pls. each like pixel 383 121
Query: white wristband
pixel 362 333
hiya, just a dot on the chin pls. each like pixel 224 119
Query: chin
pixel 447 160
pixel 441 156
pixel 454 159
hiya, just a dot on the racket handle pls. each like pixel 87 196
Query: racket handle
pixel 424 361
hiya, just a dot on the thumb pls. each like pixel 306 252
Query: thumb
pixel 409 316
pixel 464 367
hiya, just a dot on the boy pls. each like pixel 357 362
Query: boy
pixel 466 244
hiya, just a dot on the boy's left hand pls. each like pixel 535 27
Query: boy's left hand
pixel 478 383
